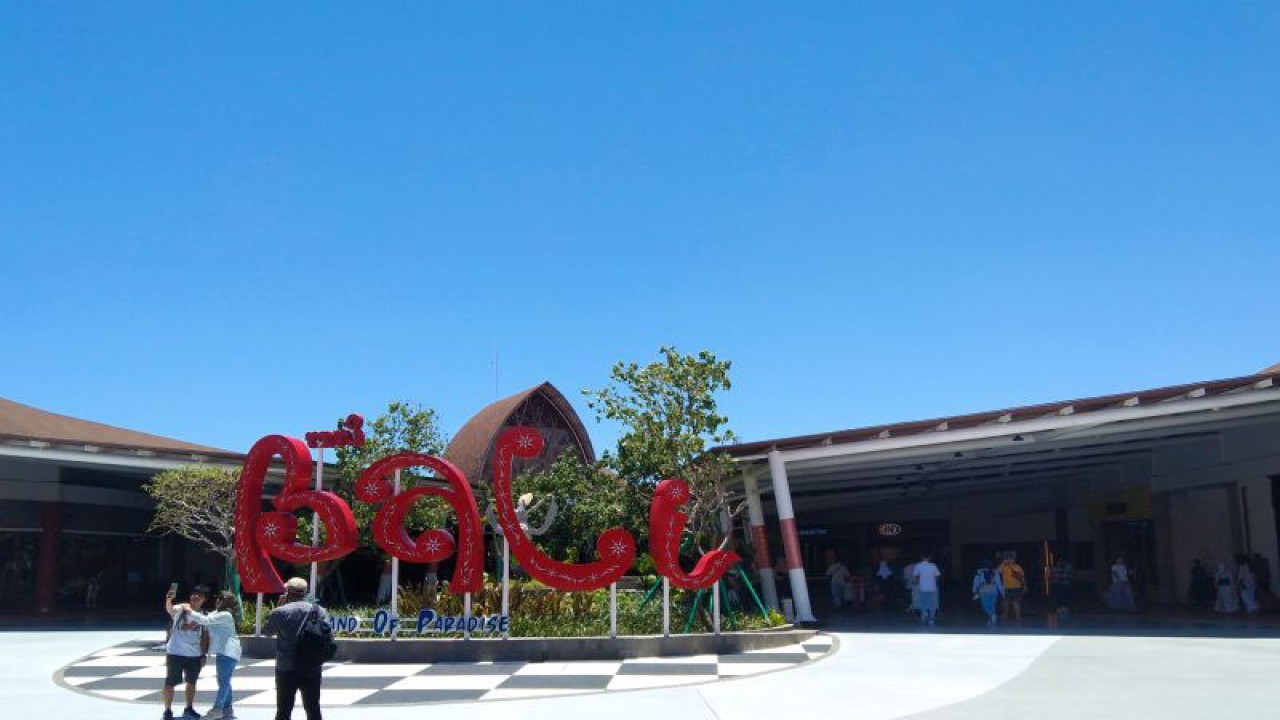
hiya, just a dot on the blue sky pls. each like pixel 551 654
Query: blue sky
pixel 221 221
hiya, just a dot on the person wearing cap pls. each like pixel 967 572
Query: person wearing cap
pixel 285 622
pixel 185 650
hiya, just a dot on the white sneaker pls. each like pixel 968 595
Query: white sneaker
pixel 214 714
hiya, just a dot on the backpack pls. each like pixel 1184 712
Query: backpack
pixel 315 641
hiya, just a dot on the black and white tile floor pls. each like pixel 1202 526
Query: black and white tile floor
pixel 133 671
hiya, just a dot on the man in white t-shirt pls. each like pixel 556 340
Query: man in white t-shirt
pixel 185 651
pixel 926 576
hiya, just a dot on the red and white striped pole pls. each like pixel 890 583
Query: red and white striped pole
pixel 790 537
pixel 760 540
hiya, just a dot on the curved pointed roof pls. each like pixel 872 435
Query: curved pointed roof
pixel 541 406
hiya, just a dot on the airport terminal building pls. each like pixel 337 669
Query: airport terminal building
pixel 73 515
pixel 1162 477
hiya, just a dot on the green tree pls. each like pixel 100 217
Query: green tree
pixel 589 499
pixel 197 502
pixel 669 415
pixel 404 427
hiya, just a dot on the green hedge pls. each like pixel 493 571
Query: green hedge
pixel 539 611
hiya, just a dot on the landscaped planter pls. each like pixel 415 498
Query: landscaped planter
pixel 417 650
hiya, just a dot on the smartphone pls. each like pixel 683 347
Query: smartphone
pixel 173 588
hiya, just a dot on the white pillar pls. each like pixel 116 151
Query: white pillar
pixel 726 527
pixel 760 542
pixel 257 619
pixel 506 581
pixel 790 537
pixel 395 576
pixel 715 607
pixel 666 607
pixel 613 610
pixel 315 523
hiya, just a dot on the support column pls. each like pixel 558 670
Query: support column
pixel 760 541
pixel 47 557
pixel 790 537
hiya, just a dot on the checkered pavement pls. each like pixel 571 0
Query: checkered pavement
pixel 133 671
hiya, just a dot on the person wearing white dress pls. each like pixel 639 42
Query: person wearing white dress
pixel 1120 596
pixel 384 582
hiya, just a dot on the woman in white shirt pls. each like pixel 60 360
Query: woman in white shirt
pixel 224 644
pixel 1120 596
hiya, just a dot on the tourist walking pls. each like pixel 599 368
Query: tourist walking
pixel 1061 578
pixel 881 587
pixel 1248 583
pixel 293 673
pixel 384 582
pixel 1120 595
pixel 1227 600
pixel 224 645
pixel 913 588
pixel 184 653
pixel 1201 593
pixel 1013 580
pixel 1261 568
pixel 838 574
pixel 987 589
pixel 925 580
pixel 883 571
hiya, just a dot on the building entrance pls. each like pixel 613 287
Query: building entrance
pixel 18 570
pixel 1133 540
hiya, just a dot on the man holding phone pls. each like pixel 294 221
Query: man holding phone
pixel 186 649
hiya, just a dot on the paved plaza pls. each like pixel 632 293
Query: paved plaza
pixel 868 676
pixel 133 670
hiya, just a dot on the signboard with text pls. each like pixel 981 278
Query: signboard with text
pixel 263 535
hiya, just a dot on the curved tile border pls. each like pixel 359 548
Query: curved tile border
pixel 133 672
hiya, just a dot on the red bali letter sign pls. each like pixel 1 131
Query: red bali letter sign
pixel 433 545
pixel 666 527
pixel 261 535
pixel 350 433
pixel 615 546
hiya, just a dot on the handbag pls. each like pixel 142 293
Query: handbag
pixel 316 645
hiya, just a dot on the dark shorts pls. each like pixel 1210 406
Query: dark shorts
pixel 178 666
pixel 1013 594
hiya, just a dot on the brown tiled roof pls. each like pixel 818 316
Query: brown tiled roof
pixel 470 448
pixel 23 422
pixel 1073 407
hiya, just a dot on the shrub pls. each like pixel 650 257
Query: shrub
pixel 539 611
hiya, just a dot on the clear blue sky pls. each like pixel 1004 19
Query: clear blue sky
pixel 219 221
